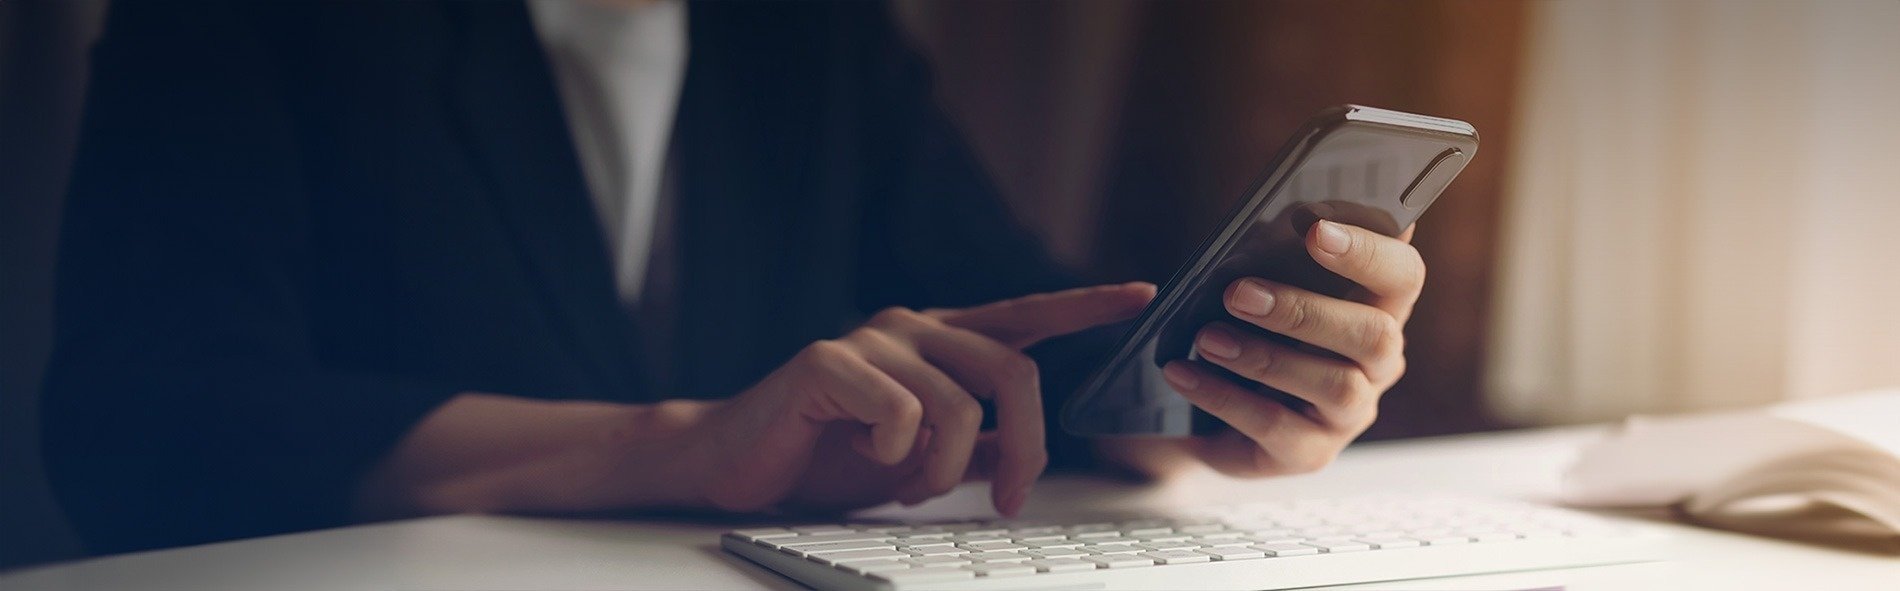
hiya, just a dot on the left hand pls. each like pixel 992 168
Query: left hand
pixel 1269 438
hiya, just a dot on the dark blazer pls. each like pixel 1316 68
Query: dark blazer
pixel 295 229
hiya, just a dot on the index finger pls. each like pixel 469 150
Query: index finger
pixel 1389 268
pixel 1027 320
pixel 989 369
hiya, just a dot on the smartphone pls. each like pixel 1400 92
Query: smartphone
pixel 1367 167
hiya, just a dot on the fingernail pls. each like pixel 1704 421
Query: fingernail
pixel 1253 298
pixel 1180 376
pixel 1218 342
pixel 1332 238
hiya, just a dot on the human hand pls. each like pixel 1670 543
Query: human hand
pixel 1364 332
pixel 890 410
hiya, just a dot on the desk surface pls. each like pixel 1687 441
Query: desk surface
pixel 494 553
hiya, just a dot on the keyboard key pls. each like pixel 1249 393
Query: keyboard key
pixel 1054 544
pixel 1120 560
pixel 924 535
pixel 999 556
pixel 935 561
pixel 944 550
pixel 1140 532
pixel 888 528
pixel 1061 565
pixel 1339 546
pixel 840 547
pixel 1115 539
pixel 1286 549
pixel 1216 542
pixel 1167 538
pixel 764 533
pixel 968 539
pixel 991 546
pixel 1001 569
pixel 929 574
pixel 1233 553
pixel 1390 543
pixel 807 540
pixel 1168 545
pixel 1055 553
pixel 1274 540
pixel 820 529
pixel 1221 535
pixel 1177 556
pixel 1113 548
pixel 858 556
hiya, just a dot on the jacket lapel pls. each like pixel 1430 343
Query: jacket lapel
pixel 504 97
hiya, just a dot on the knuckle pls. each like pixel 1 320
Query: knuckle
pixel 897 316
pixel 906 409
pixel 1017 368
pixel 1219 402
pixel 828 352
pixel 1366 252
pixel 1294 313
pixel 1366 418
pixel 1343 387
pixel 1265 362
pixel 1383 337
pixel 1417 280
pixel 966 412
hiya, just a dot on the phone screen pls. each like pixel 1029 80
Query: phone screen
pixel 1365 167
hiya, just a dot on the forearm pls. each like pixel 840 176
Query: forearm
pixel 492 453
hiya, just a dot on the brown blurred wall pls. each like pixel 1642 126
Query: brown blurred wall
pixel 1122 131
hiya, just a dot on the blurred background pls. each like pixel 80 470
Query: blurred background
pixel 1678 206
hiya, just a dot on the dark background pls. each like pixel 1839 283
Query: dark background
pixel 1120 130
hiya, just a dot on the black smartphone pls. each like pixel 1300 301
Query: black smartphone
pixel 1362 166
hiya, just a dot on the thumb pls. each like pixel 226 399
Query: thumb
pixel 1024 321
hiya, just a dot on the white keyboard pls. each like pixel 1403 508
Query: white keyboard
pixel 1274 545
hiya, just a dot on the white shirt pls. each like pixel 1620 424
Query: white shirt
pixel 619 69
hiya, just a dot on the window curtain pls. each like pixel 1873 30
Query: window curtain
pixel 1703 209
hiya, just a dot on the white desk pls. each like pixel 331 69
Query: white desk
pixel 510 553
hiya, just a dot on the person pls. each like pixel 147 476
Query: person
pixel 326 263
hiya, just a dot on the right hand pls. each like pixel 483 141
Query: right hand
pixel 890 410
pixel 886 412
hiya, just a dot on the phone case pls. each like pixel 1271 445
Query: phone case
pixel 1357 165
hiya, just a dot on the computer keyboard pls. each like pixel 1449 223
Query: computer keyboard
pixel 1268 545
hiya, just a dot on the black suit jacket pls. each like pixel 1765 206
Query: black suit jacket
pixel 295 229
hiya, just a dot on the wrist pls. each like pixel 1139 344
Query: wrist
pixel 657 455
pixel 493 453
